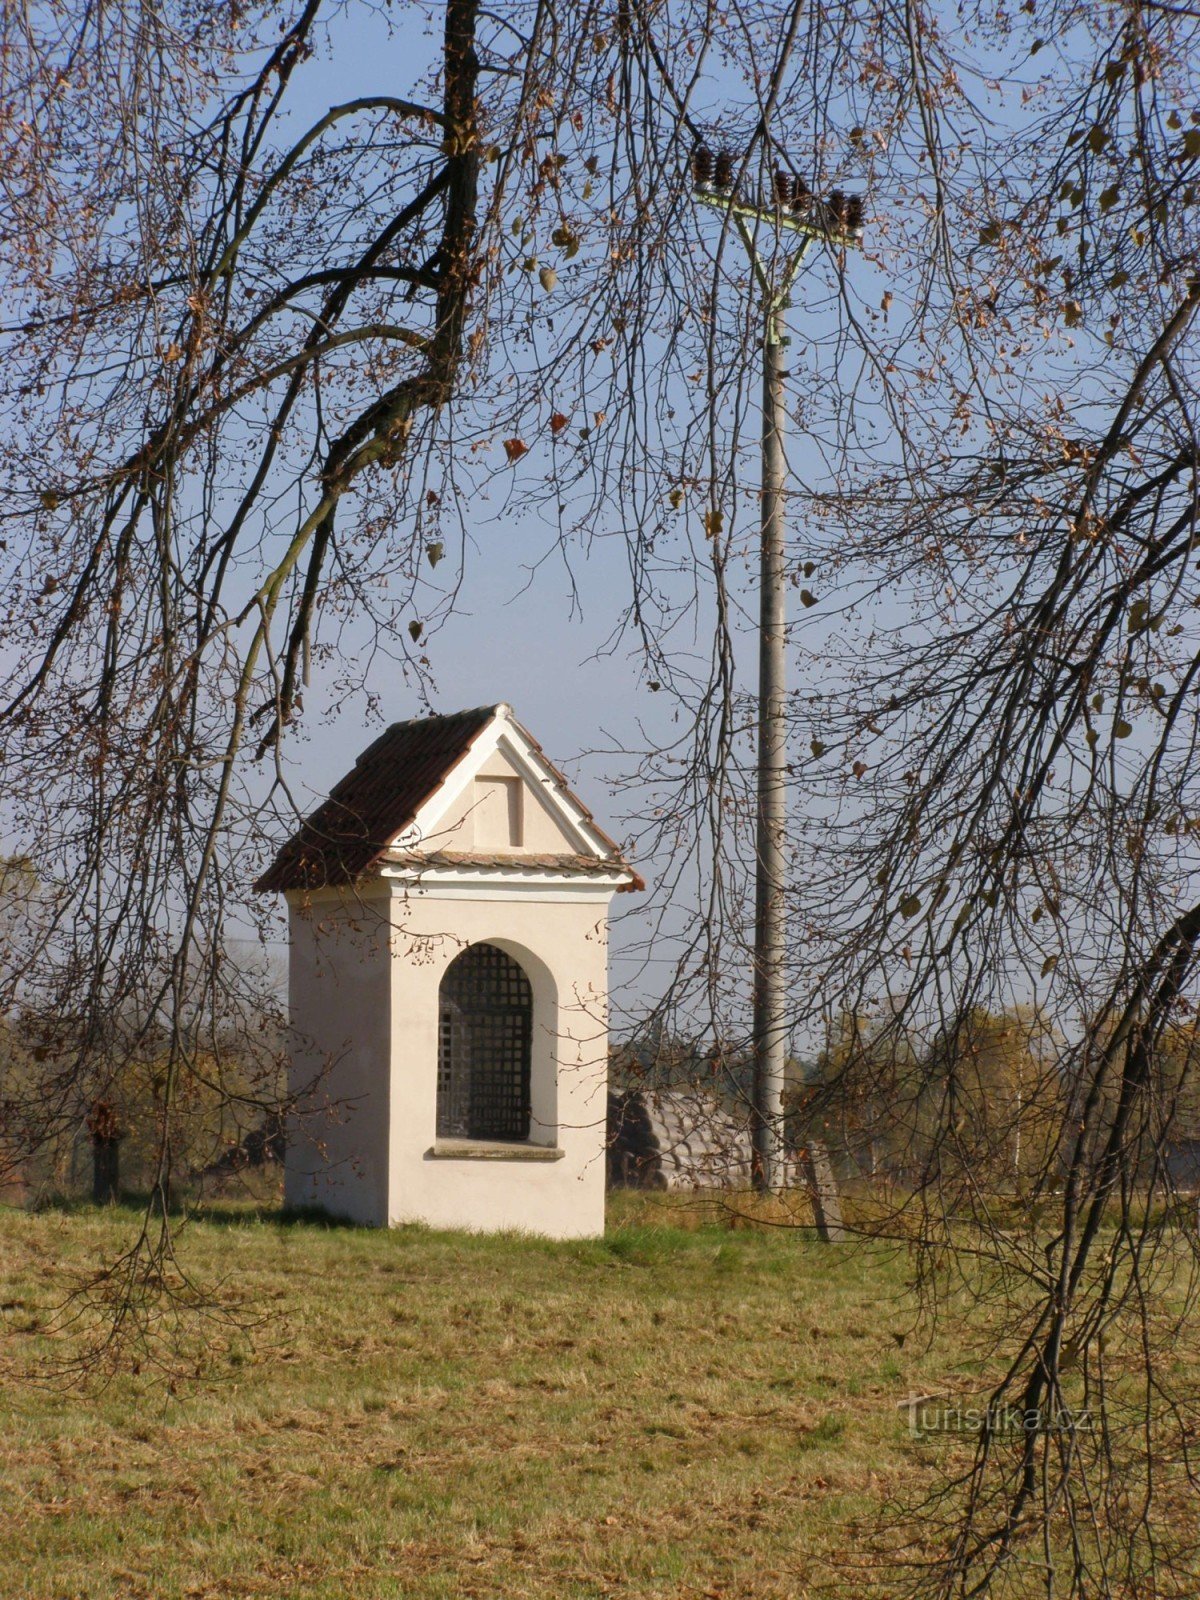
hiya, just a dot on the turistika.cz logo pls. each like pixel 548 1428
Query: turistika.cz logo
pixel 929 1415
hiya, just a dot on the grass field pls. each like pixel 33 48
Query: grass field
pixel 672 1411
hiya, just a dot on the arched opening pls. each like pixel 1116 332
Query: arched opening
pixel 485 1033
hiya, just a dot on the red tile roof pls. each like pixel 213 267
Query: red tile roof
pixel 392 779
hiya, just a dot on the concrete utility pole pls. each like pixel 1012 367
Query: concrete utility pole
pixel 791 209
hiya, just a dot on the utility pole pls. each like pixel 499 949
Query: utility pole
pixel 792 210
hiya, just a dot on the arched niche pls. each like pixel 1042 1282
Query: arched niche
pixel 497 1066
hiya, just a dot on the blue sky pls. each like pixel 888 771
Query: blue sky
pixel 538 638
pixel 535 639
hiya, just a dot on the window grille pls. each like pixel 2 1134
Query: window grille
pixel 485 1030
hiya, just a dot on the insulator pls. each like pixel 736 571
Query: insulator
pixel 801 197
pixel 854 213
pixel 723 175
pixel 783 188
pixel 702 166
pixel 837 206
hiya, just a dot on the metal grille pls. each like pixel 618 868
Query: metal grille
pixel 484 1033
pixel 451 1085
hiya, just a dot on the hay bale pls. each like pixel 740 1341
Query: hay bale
pixel 676 1139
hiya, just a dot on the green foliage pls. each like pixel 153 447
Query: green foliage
pixel 232 1082
pixel 664 1060
pixel 984 1094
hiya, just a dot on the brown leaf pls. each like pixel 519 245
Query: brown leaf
pixel 514 449
pixel 558 422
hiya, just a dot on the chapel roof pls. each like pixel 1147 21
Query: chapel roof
pixel 346 837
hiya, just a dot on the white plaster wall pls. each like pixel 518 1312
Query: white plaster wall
pixel 364 976
pixel 542 831
pixel 464 825
pixel 339 993
pixel 563 947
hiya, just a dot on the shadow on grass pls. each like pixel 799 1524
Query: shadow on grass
pixel 641 1232
pixel 220 1213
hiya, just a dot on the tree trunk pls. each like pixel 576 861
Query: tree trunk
pixel 106 1181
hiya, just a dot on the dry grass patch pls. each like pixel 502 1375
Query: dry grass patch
pixel 686 1408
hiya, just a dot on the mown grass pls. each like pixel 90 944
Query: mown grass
pixel 684 1408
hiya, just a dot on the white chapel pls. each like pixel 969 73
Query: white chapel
pixel 448 985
